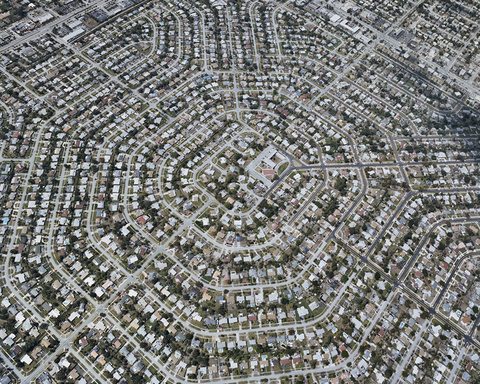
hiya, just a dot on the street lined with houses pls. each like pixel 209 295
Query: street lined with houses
pixel 239 191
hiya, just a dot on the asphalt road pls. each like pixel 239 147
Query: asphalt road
pixel 161 250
